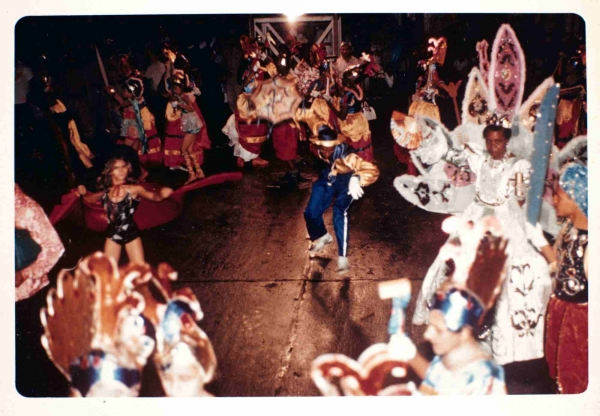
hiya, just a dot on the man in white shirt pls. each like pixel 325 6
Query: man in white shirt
pixel 155 71
pixel 345 61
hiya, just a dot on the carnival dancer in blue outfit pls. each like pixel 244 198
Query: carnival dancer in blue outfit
pixel 343 179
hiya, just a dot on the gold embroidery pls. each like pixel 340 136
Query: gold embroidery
pixel 254 140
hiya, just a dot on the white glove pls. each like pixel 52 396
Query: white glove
pixel 535 235
pixel 402 348
pixel 327 97
pixel 354 188
pixel 315 93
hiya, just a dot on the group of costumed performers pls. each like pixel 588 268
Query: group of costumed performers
pixel 483 168
pixel 186 135
pixel 247 130
pixel 461 365
pixel 329 97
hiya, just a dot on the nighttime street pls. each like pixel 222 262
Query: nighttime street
pixel 270 307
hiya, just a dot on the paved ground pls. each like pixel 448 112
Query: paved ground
pixel 270 309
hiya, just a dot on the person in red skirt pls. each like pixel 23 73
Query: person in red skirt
pixel 138 129
pixel 186 135
pixel 286 134
pixel 246 134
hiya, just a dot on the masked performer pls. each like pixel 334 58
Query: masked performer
pixel 245 133
pixel 120 200
pixel 343 179
pixel 138 128
pixel 566 345
pixel 351 121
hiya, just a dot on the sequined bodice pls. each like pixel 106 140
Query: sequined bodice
pixel 570 282
pixel 492 187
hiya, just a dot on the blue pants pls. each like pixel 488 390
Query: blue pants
pixel 320 198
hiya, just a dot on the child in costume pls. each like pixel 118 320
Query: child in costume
pixel 343 179
pixel 120 199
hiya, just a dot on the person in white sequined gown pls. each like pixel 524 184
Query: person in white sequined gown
pixel 517 332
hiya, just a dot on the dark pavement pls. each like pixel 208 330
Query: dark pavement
pixel 269 309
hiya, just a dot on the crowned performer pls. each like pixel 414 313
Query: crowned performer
pixel 518 331
pixel 343 178
pixel 482 169
pixel 566 345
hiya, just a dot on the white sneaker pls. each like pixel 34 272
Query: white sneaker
pixel 343 264
pixel 320 243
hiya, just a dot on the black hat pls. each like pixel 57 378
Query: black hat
pixel 328 137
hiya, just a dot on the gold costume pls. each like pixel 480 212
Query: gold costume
pixel 366 171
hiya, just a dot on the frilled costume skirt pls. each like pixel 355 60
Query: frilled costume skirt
pixel 517 333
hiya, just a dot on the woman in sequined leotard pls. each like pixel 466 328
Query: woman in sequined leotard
pixel 120 199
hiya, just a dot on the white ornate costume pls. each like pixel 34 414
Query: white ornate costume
pixel 459 177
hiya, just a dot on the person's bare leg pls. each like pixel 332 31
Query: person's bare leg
pixel 112 249
pixel 188 141
pixel 135 251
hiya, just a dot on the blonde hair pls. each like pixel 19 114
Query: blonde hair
pixel 105 179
